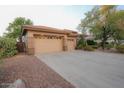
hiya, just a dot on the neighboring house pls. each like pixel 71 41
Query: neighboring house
pixel 85 37
pixel 42 39
pixel 88 37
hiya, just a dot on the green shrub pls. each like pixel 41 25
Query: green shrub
pixel 81 43
pixel 106 42
pixel 7 47
pixel 94 46
pixel 109 46
pixel 88 48
pixel 91 42
pixel 120 48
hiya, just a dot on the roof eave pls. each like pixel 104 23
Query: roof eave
pixel 26 28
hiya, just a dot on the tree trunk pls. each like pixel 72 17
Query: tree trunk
pixel 103 44
pixel 104 37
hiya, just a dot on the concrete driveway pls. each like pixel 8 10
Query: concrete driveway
pixel 88 69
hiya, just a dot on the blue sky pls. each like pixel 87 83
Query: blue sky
pixel 78 10
pixel 63 17
pixel 121 7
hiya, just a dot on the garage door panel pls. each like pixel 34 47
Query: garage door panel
pixel 48 45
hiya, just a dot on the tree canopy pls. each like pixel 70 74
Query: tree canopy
pixel 104 22
pixel 14 28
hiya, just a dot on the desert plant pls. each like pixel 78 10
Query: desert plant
pixel 88 48
pixel 7 47
pixel 120 48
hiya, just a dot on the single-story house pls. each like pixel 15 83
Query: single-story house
pixel 42 39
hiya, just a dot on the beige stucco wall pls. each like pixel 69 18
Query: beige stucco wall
pixel 47 45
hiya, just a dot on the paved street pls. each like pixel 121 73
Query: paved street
pixel 88 69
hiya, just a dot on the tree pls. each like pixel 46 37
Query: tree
pixel 118 22
pixel 14 28
pixel 90 19
pixel 106 26
pixel 104 22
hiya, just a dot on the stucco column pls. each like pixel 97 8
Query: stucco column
pixel 75 42
pixel 30 49
pixel 65 47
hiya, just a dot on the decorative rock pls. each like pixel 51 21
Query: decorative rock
pixel 18 84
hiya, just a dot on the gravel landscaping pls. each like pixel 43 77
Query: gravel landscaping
pixel 35 73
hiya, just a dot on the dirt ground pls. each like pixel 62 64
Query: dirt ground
pixel 35 73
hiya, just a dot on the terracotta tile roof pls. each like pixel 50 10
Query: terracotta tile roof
pixel 26 28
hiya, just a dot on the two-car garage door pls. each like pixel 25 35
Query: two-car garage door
pixel 48 45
